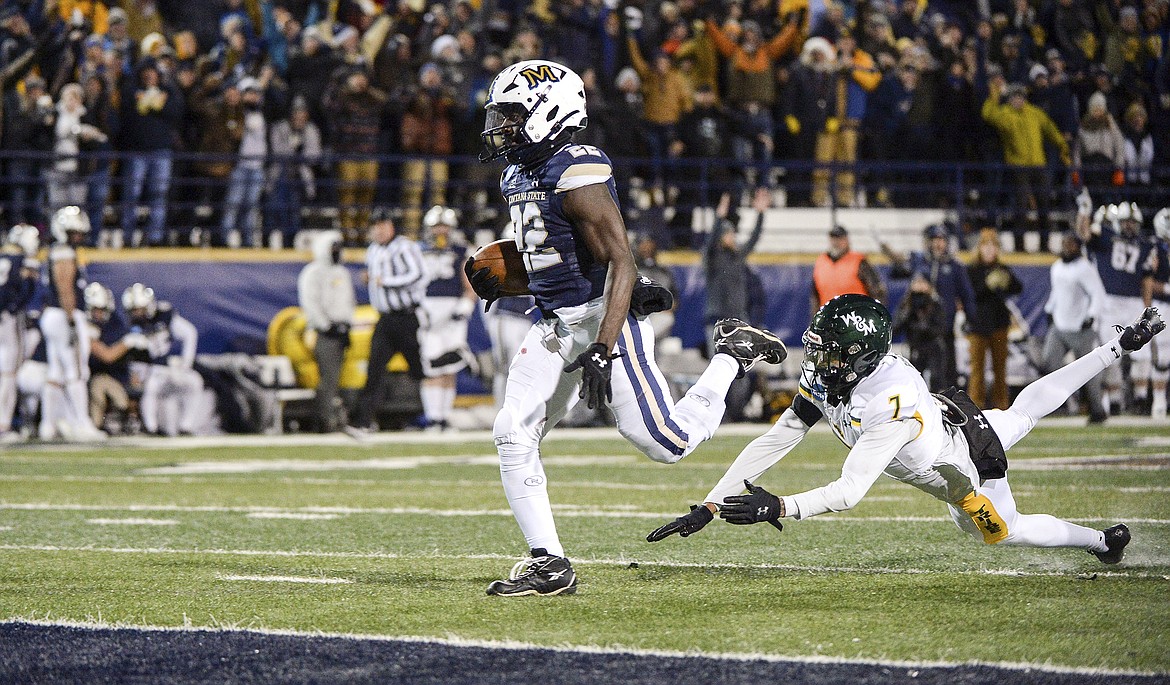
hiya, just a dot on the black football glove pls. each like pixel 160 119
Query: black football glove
pixel 482 282
pixel 649 297
pixel 757 506
pixel 685 525
pixel 596 366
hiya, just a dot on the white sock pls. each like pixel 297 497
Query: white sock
pixel 432 401
pixel 51 399
pixel 7 400
pixel 79 404
pixel 1043 530
pixel 526 487
pixel 700 411
pixel 448 402
pixel 722 370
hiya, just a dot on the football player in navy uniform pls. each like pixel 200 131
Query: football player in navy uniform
pixel 169 373
pixel 593 341
pixel 19 270
pixel 64 327
pixel 110 349
pixel 1125 259
pixel 449 301
pixel 880 407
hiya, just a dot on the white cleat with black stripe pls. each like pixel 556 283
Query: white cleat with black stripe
pixel 748 344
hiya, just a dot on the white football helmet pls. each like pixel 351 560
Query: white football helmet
pixel 138 296
pixel 440 215
pixel 1162 224
pixel 26 237
pixel 98 296
pixel 1129 218
pixel 68 220
pixel 530 103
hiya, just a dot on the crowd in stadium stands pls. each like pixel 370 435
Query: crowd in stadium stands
pixel 280 95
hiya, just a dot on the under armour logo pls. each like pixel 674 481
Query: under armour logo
pixel 979 420
pixel 762 511
pixel 601 363
pixel 745 343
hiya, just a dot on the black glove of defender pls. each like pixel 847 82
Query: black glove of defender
pixel 483 283
pixel 687 524
pixel 757 506
pixel 596 366
pixel 649 297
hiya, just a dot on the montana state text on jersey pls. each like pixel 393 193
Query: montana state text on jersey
pixel 561 270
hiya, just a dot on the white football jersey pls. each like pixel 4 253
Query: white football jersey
pixel 936 459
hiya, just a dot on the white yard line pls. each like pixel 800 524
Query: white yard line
pixel 600 561
pixel 513 645
pixel 295 515
pixel 581 511
pixel 287 579
pixel 132 522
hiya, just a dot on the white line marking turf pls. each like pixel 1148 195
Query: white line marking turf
pixel 582 561
pixel 295 515
pixel 580 511
pixel 513 645
pixel 132 522
pixel 287 579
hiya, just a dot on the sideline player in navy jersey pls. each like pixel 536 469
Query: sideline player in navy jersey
pixel 169 372
pixel 592 342
pixel 1125 259
pixel 64 327
pixel 19 270
pixel 442 333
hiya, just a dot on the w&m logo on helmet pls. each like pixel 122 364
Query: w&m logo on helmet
pixel 859 322
pixel 540 73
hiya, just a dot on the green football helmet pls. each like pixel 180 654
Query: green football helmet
pixel 847 338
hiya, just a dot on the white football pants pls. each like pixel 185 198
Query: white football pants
pixel 539 394
pixel 67 354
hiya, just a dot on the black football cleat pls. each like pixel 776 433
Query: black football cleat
pixel 1116 538
pixel 1139 333
pixel 748 344
pixel 543 574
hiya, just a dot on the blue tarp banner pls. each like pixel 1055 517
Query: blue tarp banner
pixel 231 303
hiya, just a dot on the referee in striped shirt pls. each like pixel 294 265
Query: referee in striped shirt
pixel 397 280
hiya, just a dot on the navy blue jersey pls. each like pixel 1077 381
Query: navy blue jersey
pixel 1122 262
pixel 561 270
pixel 157 329
pixel 110 333
pixel 15 292
pixel 445 269
pixel 58 253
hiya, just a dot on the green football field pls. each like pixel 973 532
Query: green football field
pixel 400 536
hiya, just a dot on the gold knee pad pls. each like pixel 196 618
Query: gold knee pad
pixel 986 518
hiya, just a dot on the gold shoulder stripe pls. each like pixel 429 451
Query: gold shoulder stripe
pixel 592 169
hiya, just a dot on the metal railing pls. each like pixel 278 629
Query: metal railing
pixel 197 192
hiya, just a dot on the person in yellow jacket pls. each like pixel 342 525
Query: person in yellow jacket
pixel 666 96
pixel 1022 129
pixel 92 11
pixel 857 76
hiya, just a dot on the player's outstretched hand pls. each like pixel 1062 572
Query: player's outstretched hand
pixel 757 506
pixel 685 525
pixel 596 366
pixel 483 283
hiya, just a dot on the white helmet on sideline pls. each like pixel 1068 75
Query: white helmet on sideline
pixel 68 220
pixel 1162 224
pixel 26 237
pixel 138 296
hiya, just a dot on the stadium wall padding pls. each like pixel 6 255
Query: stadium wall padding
pixel 232 302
